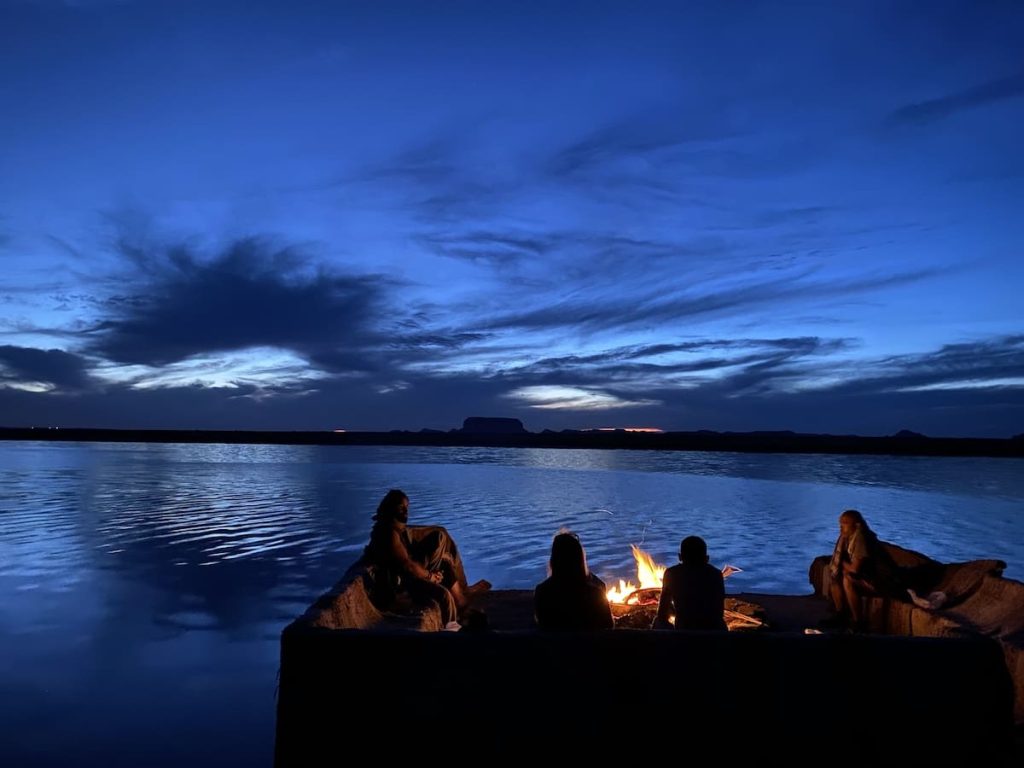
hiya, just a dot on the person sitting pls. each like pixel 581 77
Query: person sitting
pixel 693 590
pixel 422 561
pixel 571 598
pixel 860 566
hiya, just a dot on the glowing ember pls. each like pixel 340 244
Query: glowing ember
pixel 648 573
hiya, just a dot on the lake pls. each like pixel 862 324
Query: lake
pixel 144 586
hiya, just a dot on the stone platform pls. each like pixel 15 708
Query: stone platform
pixel 354 680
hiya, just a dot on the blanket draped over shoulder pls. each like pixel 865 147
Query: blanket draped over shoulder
pixel 390 551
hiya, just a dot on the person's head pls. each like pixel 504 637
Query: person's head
pixel 394 506
pixel 850 520
pixel 568 560
pixel 693 551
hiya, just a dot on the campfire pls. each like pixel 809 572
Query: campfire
pixel 650 575
pixel 635 603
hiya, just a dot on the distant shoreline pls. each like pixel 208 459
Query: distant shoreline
pixel 737 442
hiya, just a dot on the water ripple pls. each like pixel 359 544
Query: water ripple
pixel 157 564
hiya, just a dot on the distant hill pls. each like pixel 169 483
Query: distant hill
pixel 905 434
pixel 509 433
pixel 492 425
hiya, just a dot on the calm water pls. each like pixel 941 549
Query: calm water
pixel 143 587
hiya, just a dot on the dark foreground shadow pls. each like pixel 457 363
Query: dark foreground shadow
pixel 844 699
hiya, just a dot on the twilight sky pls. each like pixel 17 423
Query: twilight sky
pixel 318 215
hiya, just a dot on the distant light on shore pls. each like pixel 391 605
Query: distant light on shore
pixel 339 430
pixel 626 429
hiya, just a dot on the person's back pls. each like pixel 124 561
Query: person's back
pixel 694 590
pixel 697 593
pixel 571 598
pixel 571 603
pixel 879 572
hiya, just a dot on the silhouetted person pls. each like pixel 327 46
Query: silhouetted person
pixel 571 597
pixel 860 566
pixel 694 590
pixel 421 560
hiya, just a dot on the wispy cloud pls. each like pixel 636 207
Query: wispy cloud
pixel 665 306
pixel 494 249
pixel 659 364
pixel 936 109
pixel 994 362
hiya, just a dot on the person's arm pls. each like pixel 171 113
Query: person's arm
pixel 835 565
pixel 664 605
pixel 858 551
pixel 399 556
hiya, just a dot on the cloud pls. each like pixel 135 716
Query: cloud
pixel 29 368
pixel 250 294
pixel 574 399
pixel 656 365
pixel 932 110
pixel 763 384
pixel 436 179
pixel 663 159
pixel 658 307
pixel 493 249
pixel 607 146
pixel 996 363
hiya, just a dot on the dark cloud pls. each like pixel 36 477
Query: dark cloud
pixel 932 110
pixel 60 369
pixel 250 294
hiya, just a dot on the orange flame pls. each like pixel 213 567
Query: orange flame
pixel 649 573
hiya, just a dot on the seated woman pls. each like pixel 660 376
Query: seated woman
pixel 860 566
pixel 420 560
pixel 571 598
pixel 693 591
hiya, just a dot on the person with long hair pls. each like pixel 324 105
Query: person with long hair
pixel 421 560
pixel 860 566
pixel 571 598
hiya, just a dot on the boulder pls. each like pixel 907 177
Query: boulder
pixel 352 603
pixel 979 602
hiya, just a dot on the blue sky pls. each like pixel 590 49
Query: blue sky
pixel 727 216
